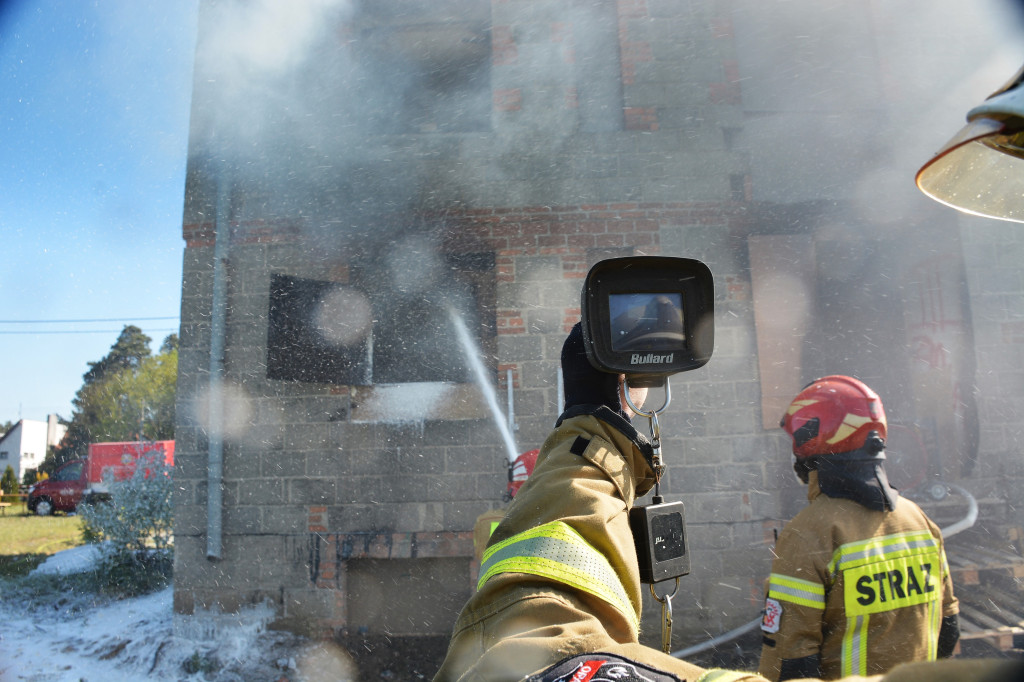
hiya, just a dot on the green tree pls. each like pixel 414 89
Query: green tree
pixel 134 404
pixel 170 343
pixel 73 445
pixel 9 482
pixel 29 477
pixel 128 352
pixel 127 395
pixel 7 426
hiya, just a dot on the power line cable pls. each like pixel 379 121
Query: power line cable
pixel 95 319
pixel 83 331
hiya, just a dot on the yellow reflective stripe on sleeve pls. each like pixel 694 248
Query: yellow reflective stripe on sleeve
pixel 557 552
pixel 796 591
pixel 718 675
pixel 855 646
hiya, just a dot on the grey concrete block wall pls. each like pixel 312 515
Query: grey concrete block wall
pixel 997 306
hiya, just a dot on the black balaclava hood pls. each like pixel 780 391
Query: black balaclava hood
pixel 858 475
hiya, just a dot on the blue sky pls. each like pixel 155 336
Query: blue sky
pixel 94 112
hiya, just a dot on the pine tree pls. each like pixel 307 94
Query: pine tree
pixel 9 482
pixel 130 349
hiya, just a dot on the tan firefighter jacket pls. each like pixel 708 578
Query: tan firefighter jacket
pixel 865 590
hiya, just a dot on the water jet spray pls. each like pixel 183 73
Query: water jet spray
pixel 483 381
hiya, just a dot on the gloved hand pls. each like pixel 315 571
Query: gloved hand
pixel 593 392
pixel 583 384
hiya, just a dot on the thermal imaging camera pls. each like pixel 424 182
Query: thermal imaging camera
pixel 648 317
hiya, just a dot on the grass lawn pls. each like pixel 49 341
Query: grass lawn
pixel 26 541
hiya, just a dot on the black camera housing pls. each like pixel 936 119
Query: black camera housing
pixel 648 317
pixel 659 532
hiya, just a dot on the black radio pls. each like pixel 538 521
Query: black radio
pixel 659 532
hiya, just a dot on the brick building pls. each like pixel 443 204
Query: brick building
pixel 360 178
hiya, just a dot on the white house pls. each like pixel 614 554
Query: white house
pixel 24 446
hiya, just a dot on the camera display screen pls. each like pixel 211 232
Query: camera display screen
pixel 646 321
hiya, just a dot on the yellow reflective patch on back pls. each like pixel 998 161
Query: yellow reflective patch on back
pixel 893 584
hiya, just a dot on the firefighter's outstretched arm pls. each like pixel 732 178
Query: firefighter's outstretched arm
pixel 559 584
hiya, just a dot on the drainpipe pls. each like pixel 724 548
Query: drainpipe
pixel 215 427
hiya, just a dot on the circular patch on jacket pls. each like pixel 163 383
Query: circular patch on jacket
pixel 602 668
pixel 772 615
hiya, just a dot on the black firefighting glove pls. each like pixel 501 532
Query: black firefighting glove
pixel 593 392
pixel 949 635
pixel 583 384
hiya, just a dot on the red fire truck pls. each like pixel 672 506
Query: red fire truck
pixel 81 478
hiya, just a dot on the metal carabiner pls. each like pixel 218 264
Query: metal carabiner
pixel 655 427
pixel 666 616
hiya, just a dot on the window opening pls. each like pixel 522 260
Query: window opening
pixel 365 332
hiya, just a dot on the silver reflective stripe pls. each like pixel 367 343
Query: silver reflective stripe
pixel 556 551
pixel 934 625
pixel 854 658
pixel 881 548
pixel 796 591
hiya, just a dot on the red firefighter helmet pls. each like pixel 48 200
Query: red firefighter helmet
pixel 833 414
pixel 520 470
